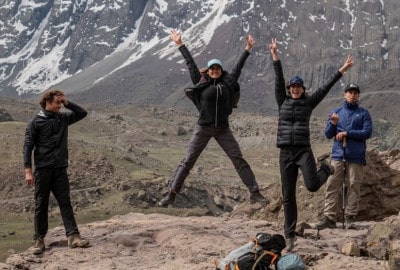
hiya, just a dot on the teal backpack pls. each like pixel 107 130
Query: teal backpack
pixel 290 261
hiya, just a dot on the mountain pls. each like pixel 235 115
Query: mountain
pixel 119 51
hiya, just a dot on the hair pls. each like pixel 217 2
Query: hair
pixel 48 96
pixel 203 70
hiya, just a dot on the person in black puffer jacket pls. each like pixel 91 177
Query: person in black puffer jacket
pixel 293 138
pixel 215 93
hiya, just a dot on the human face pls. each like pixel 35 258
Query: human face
pixel 352 96
pixel 214 72
pixel 54 105
pixel 296 91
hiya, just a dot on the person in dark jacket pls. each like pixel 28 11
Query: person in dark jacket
pixel 293 138
pixel 46 136
pixel 215 93
pixel 353 125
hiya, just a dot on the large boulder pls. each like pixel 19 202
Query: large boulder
pixel 383 241
pixel 380 189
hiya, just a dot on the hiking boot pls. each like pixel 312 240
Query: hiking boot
pixel 39 247
pixel 290 243
pixel 75 241
pixel 168 200
pixel 349 222
pixel 324 164
pixel 326 223
pixel 256 196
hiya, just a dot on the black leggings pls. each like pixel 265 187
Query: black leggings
pixel 291 159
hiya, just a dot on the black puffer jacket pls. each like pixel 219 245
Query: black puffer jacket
pixel 47 135
pixel 294 114
pixel 214 99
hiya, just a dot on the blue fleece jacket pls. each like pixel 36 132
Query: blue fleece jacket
pixel 358 124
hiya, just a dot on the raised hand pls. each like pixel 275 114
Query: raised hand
pixel 176 37
pixel 62 99
pixel 250 41
pixel 347 64
pixel 334 118
pixel 273 47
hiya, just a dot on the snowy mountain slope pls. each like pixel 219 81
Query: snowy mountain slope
pixel 119 51
pixel 52 40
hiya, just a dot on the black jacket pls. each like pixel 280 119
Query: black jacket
pixel 47 135
pixel 294 114
pixel 214 99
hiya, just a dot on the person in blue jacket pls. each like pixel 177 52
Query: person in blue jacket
pixel 352 124
pixel 215 93
pixel 293 138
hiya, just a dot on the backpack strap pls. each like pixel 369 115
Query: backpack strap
pixel 216 265
pixel 266 252
pixel 275 256
pixel 234 89
pixel 193 93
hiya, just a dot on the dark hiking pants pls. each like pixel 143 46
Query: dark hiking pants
pixel 199 140
pixel 291 159
pixel 53 180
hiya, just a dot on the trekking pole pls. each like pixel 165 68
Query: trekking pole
pixel 344 188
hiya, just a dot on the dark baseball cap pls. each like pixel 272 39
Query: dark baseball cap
pixel 352 86
pixel 296 80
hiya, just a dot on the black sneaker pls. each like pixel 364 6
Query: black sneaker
pixel 167 200
pixel 324 164
pixel 290 243
pixel 326 223
pixel 256 196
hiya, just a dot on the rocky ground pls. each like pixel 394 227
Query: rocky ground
pixel 120 161
pixel 165 242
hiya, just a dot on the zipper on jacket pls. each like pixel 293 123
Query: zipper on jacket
pixel 293 122
pixel 216 102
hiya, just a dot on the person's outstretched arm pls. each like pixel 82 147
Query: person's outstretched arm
pixel 322 91
pixel 280 89
pixel 191 64
pixel 237 69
